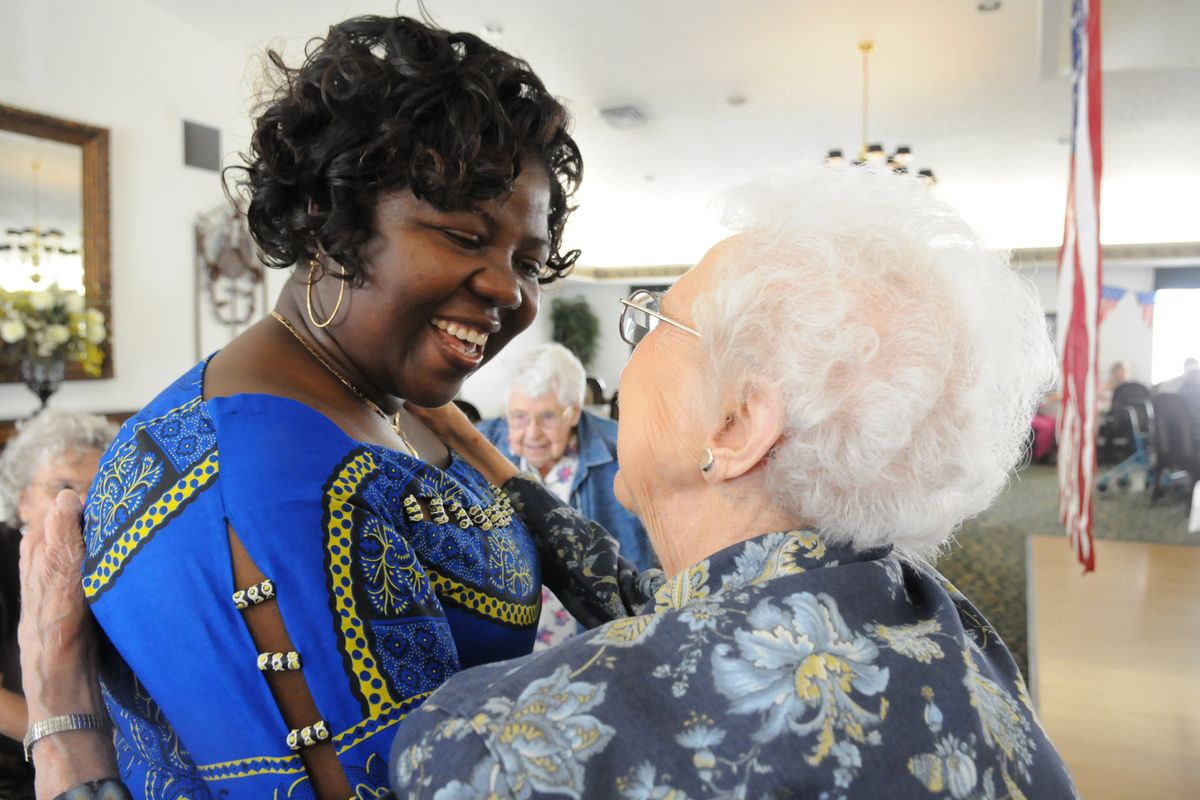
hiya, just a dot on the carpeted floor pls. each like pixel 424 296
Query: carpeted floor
pixel 988 561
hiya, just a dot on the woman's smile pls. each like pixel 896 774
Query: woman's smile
pixel 464 342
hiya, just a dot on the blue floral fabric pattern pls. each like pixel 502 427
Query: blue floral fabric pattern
pixel 780 667
pixel 390 575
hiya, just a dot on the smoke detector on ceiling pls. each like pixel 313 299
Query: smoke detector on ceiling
pixel 624 116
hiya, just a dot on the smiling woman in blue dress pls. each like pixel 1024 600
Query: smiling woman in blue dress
pixel 284 562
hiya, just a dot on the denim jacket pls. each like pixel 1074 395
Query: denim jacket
pixel 592 489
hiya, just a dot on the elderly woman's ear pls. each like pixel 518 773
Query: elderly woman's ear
pixel 749 428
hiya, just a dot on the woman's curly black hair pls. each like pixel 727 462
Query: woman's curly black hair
pixel 385 103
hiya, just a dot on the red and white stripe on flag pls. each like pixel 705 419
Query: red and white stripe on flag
pixel 1079 274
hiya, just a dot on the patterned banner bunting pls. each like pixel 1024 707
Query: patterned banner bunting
pixel 1146 301
pixel 1109 297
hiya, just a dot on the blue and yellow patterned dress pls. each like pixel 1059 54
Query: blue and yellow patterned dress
pixel 383 600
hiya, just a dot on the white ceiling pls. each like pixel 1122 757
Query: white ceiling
pixel 980 97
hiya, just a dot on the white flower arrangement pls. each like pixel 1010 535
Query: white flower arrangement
pixel 52 324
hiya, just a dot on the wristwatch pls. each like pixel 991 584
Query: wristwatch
pixel 62 724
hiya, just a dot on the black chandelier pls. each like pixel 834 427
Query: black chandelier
pixel 874 153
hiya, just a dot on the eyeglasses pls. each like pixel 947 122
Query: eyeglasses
pixel 548 421
pixel 56 486
pixel 641 314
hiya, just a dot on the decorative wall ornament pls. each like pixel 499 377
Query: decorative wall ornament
pixel 230 279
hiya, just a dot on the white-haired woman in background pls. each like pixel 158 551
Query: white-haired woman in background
pixel 53 451
pixel 808 415
pixel 546 432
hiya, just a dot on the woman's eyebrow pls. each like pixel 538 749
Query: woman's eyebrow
pixel 492 224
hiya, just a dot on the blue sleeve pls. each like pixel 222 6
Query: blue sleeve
pixel 496 431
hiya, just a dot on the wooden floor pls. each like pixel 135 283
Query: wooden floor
pixel 1116 666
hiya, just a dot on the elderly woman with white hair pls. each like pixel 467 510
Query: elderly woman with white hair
pixel 546 432
pixel 52 451
pixel 807 417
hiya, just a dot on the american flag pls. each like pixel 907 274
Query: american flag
pixel 1109 297
pixel 1146 301
pixel 1079 289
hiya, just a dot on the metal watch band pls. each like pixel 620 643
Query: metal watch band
pixel 103 789
pixel 62 724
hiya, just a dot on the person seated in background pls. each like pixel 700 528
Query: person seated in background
pixel 1189 390
pixel 1045 425
pixel 1120 372
pixel 546 432
pixel 1191 371
pixel 52 451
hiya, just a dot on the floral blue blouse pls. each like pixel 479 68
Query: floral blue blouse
pixel 780 667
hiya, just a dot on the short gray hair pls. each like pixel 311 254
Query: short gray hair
pixel 48 435
pixel 909 357
pixel 549 368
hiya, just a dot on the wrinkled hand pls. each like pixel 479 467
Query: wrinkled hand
pixel 451 425
pixel 57 637
pixel 56 633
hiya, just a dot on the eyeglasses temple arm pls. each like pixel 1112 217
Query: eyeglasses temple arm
pixel 655 314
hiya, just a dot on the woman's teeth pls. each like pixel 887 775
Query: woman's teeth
pixel 476 339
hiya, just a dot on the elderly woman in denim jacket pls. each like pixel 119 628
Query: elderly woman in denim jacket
pixel 547 433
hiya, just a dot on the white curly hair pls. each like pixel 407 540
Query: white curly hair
pixel 50 434
pixel 910 357
pixel 547 368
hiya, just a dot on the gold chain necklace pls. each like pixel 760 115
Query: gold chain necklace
pixel 393 420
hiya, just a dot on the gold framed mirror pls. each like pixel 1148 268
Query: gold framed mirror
pixel 54 200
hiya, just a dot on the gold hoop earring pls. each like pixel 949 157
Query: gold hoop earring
pixel 312 265
pixel 708 464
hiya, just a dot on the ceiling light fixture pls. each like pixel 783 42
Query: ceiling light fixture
pixel 874 153
pixel 33 251
pixel 623 116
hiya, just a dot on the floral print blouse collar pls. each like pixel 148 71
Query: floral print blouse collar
pixel 561 478
pixel 753 563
